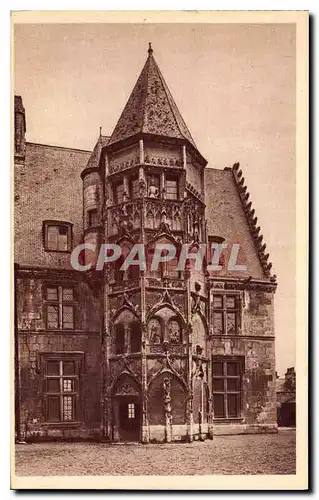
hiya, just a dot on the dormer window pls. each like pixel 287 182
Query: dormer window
pixel 57 236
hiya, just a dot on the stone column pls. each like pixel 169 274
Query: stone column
pixel 167 410
pixel 189 408
pixel 141 151
pixel 116 422
pixel 209 352
pixel 126 194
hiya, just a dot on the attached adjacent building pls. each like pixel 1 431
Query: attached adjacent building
pixel 139 355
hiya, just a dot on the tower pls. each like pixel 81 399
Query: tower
pixel 156 369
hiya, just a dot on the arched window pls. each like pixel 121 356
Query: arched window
pixel 135 336
pixel 119 339
pixel 164 269
pixel 118 274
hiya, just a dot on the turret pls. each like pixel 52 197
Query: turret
pixel 93 199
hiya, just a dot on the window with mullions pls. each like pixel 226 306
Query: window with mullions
pixel 227 387
pixel 61 389
pixel 226 314
pixel 131 410
pixel 60 305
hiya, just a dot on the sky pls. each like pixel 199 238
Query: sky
pixel 234 85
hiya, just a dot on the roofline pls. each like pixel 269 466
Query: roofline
pixel 59 147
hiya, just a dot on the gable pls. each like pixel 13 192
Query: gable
pixel 226 218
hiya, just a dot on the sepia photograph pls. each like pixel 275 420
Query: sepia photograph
pixel 160 242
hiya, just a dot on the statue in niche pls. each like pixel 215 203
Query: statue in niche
pixel 196 304
pixel 196 230
pixel 153 191
pixel 174 332
pixel 167 401
pixel 142 187
pixel 155 333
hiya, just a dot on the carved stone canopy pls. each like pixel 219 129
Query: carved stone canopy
pixel 126 389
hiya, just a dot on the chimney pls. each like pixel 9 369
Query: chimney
pixel 19 129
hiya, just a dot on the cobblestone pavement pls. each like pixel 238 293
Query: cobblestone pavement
pixel 250 454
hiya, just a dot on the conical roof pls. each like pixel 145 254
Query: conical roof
pixel 151 108
pixel 94 160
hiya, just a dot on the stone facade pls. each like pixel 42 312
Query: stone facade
pixel 138 355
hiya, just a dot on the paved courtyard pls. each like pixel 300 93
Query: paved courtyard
pixel 250 454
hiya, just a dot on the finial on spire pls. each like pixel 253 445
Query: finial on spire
pixel 150 50
pixel 100 131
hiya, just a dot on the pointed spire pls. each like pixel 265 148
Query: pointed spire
pixel 151 108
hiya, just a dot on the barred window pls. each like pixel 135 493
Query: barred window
pixel 60 305
pixel 57 236
pixel 227 387
pixel 226 314
pixel 61 388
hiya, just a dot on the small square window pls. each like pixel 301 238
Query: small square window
pixel 57 236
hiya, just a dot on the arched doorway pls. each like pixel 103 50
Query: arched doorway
pixel 126 410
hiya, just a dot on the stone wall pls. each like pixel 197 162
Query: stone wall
pixel 256 345
pixel 31 346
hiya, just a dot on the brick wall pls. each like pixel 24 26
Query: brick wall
pixel 48 186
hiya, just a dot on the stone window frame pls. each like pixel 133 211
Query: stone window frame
pixel 164 269
pixel 225 392
pixel 92 214
pixel 224 310
pixel 60 303
pixel 127 331
pixel 170 176
pixel 76 394
pixel 164 329
pixel 58 224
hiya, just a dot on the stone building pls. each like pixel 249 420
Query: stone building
pixel 286 398
pixel 138 355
